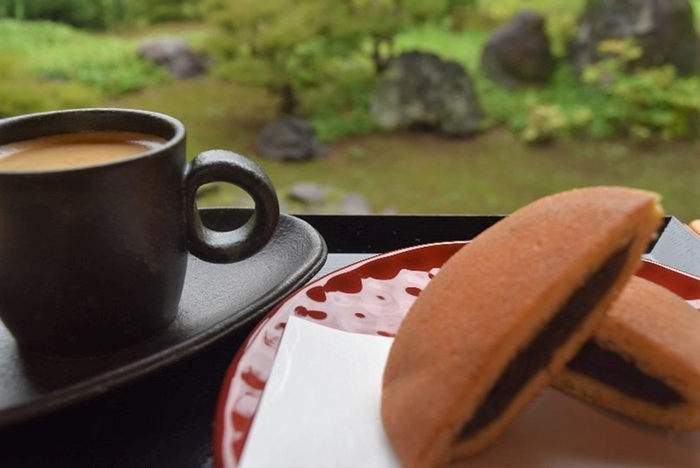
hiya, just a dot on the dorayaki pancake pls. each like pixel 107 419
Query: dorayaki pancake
pixel 644 359
pixel 506 313
pixel 695 226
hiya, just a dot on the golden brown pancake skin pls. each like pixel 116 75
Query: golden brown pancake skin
pixel 659 333
pixel 488 302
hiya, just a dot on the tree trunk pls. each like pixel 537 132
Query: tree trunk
pixel 458 19
pixel 19 9
pixel 288 100
pixel 381 61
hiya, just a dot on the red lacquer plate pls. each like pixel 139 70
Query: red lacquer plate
pixel 370 297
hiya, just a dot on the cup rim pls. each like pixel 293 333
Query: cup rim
pixel 178 134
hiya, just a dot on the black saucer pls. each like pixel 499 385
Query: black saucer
pixel 216 301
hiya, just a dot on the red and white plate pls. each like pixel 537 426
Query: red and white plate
pixel 369 297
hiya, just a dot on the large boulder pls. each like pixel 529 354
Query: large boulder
pixel 421 91
pixel 664 29
pixel 289 139
pixel 518 53
pixel 176 55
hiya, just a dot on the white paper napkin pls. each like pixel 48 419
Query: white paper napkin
pixel 320 407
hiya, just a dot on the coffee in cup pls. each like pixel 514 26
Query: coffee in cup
pixel 69 150
pixel 94 240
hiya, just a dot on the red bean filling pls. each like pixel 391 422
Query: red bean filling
pixel 537 354
pixel 614 370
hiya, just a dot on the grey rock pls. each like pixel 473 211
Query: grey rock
pixel 518 53
pixel 289 138
pixel 308 193
pixel 355 204
pixel 664 29
pixel 311 197
pixel 176 55
pixel 421 91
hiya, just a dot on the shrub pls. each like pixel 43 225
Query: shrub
pixel 644 104
pixel 57 52
pixel 545 122
pixel 159 11
pixel 341 107
pixel 95 15
pixel 100 15
pixel 612 98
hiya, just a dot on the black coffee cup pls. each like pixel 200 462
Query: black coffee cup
pixel 93 259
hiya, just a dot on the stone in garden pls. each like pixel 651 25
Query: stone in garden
pixel 664 29
pixel 311 197
pixel 355 204
pixel 419 90
pixel 175 55
pixel 308 193
pixel 518 53
pixel 289 139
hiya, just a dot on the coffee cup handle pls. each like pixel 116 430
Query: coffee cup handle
pixel 230 246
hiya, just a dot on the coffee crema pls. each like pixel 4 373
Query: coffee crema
pixel 74 150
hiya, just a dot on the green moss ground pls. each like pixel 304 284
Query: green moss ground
pixel 421 173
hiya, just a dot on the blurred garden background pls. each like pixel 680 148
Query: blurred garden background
pixel 518 98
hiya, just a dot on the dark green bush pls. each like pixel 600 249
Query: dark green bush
pixel 341 106
pixel 160 11
pixel 98 15
pixel 85 14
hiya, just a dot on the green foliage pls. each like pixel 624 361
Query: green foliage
pixel 563 108
pixel 322 55
pixel 501 11
pixel 142 12
pixel 381 21
pixel 21 93
pixel 22 97
pixel 459 12
pixel 545 122
pixel 87 14
pixel 100 15
pixel 611 99
pixel 288 46
pixel 463 47
pixel 56 52
pixel 645 104
pixel 269 43
pixel 341 109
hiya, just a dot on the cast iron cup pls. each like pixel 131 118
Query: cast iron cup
pixel 93 259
